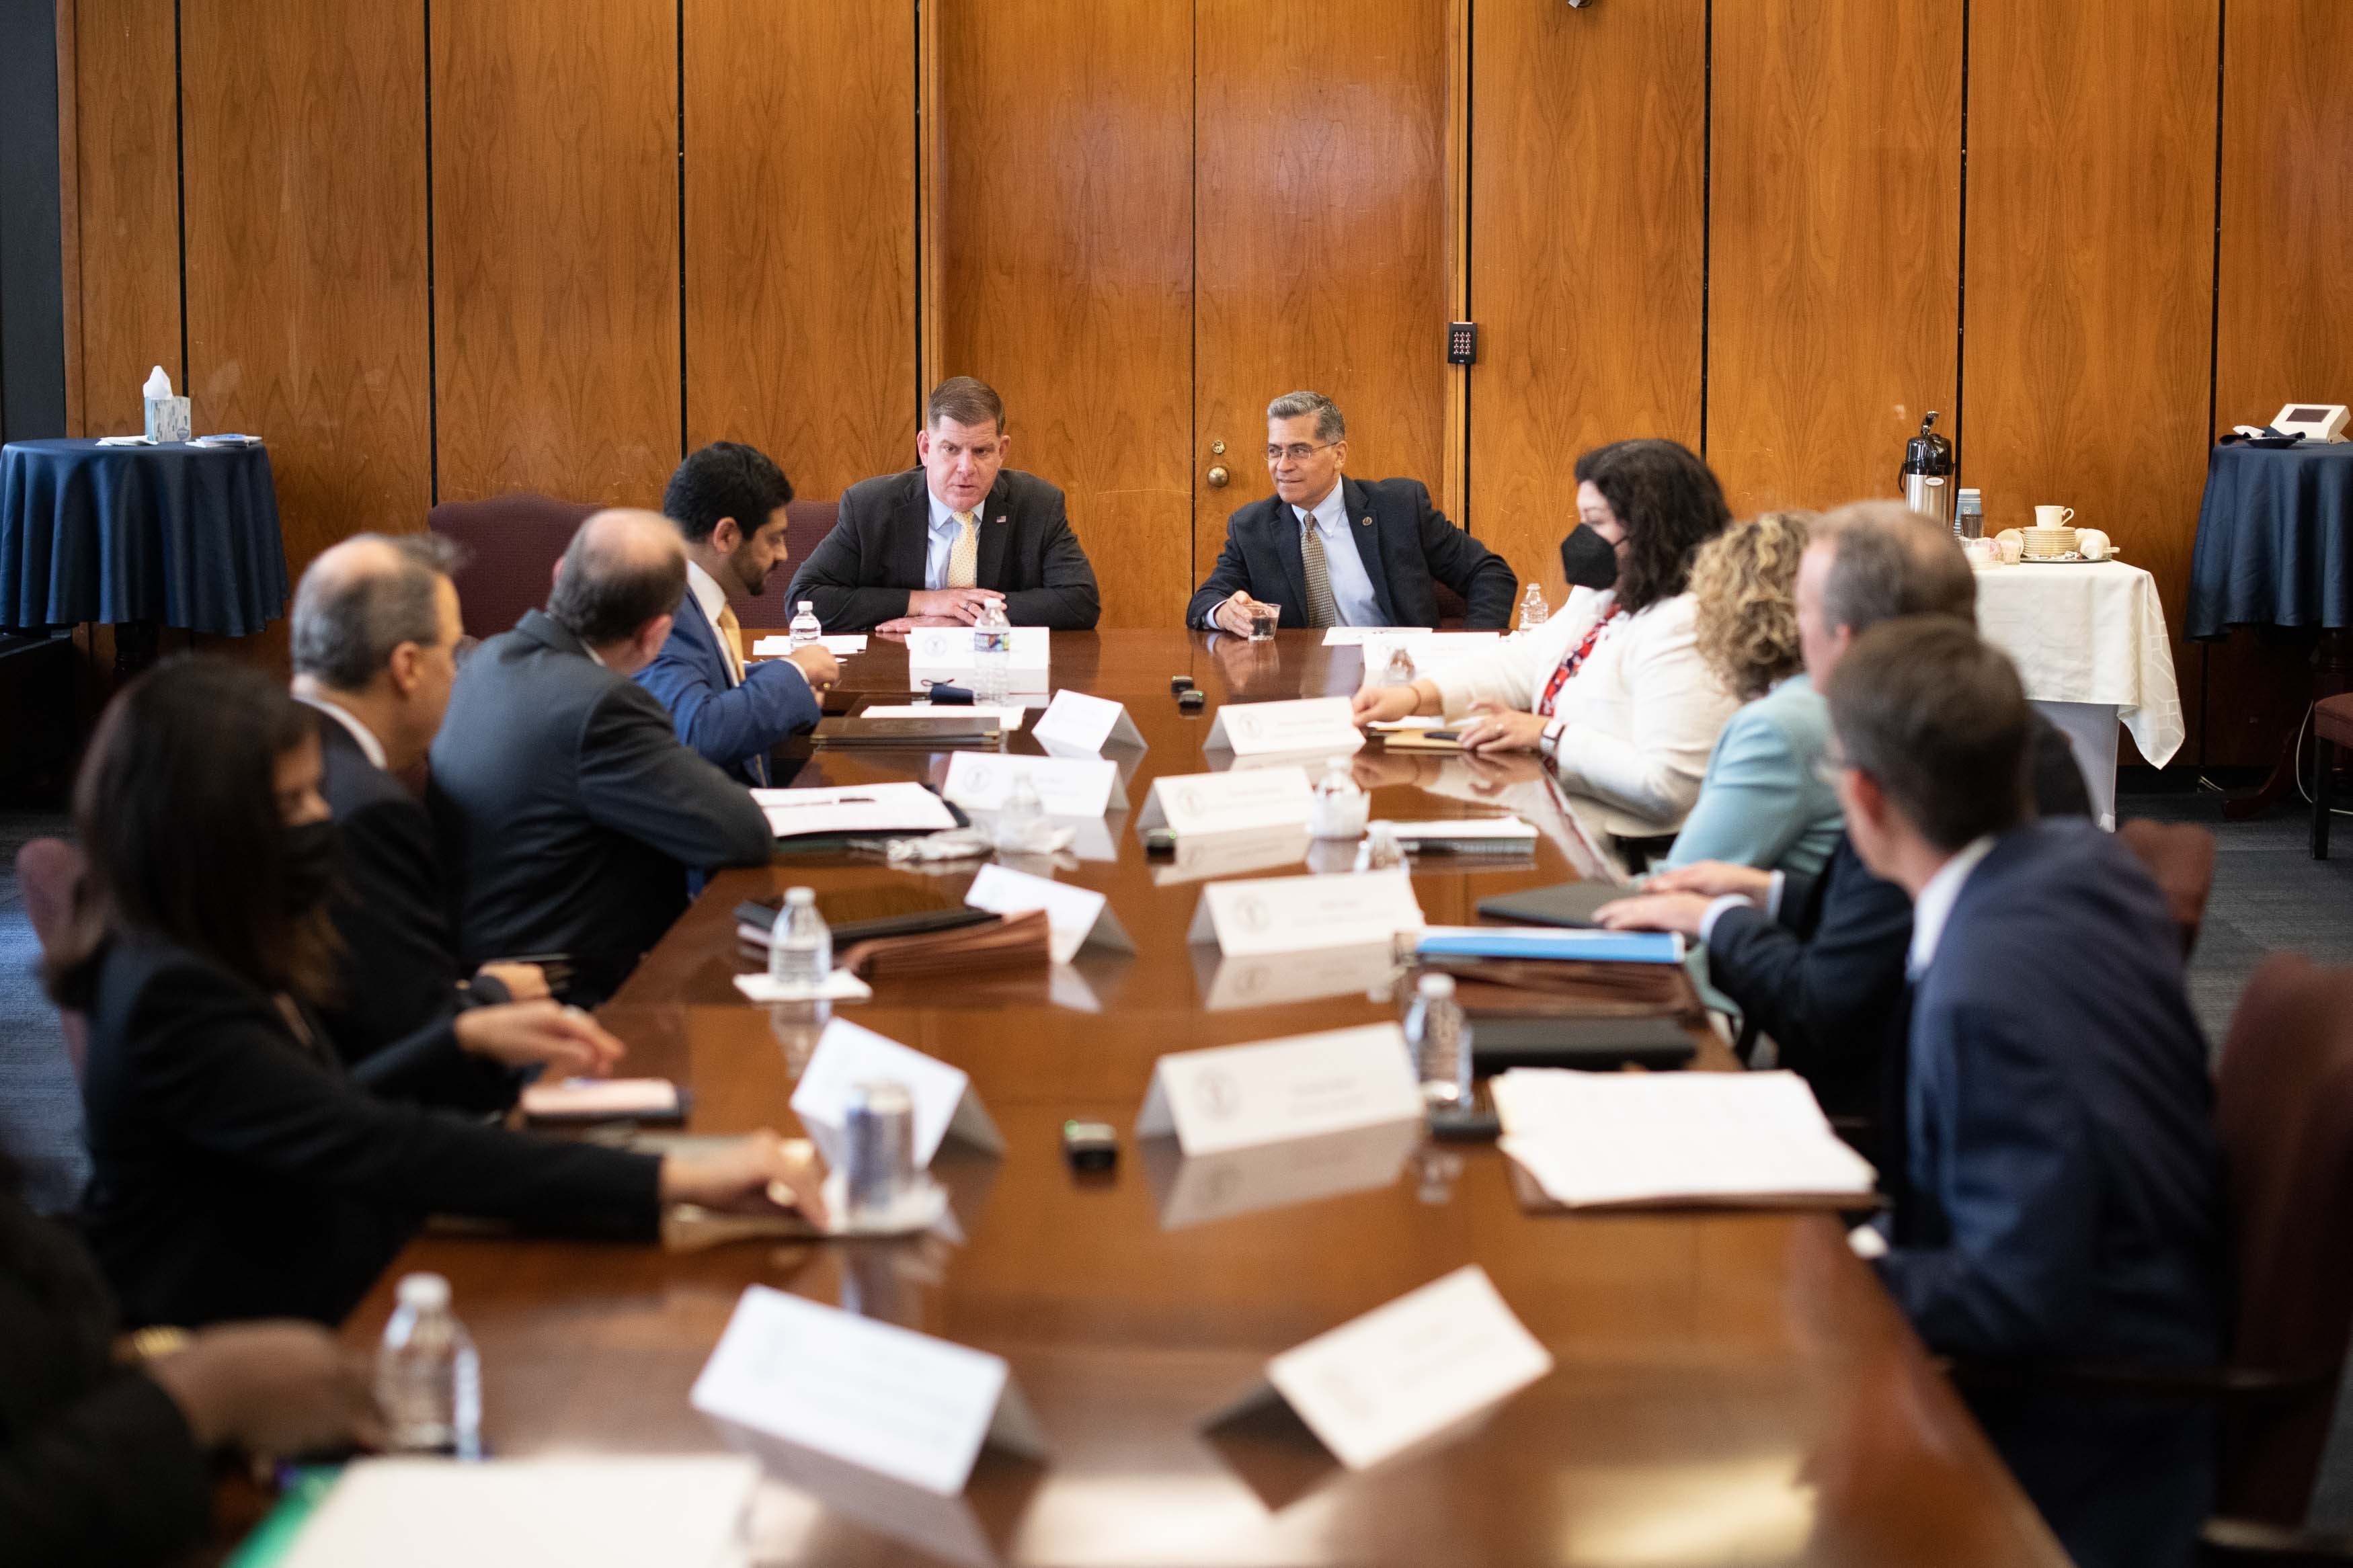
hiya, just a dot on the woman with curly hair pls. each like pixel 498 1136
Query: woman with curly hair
pixel 1611 692
pixel 1763 803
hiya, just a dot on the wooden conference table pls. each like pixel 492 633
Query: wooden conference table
pixel 1729 1387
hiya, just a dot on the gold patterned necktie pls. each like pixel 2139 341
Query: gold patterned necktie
pixel 964 556
pixel 1322 610
pixel 731 638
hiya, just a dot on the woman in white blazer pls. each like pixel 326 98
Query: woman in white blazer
pixel 1612 691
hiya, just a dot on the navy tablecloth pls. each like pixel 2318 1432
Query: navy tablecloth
pixel 2275 541
pixel 183 535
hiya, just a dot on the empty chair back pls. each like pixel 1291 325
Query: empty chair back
pixel 2284 1104
pixel 48 870
pixel 512 542
pixel 2180 857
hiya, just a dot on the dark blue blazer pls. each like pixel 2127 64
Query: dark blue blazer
pixel 731 727
pixel 2066 1199
pixel 1404 542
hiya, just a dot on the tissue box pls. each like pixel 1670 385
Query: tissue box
pixel 167 419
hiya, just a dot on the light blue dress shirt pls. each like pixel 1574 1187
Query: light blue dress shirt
pixel 1352 589
pixel 942 543
pixel 1764 802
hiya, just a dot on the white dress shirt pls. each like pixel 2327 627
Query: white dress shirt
pixel 1933 907
pixel 1344 568
pixel 710 598
pixel 369 745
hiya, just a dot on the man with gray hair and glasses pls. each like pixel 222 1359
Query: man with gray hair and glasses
pixel 1329 550
pixel 376 629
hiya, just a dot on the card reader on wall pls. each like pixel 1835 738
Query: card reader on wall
pixel 2312 421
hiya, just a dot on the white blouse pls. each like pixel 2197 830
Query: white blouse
pixel 1637 719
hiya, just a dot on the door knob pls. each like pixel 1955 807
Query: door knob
pixel 1217 476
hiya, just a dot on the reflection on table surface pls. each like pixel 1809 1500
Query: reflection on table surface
pixel 1730 1387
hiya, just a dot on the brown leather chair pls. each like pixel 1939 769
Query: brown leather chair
pixel 2332 726
pixel 512 542
pixel 806 523
pixel 2180 855
pixel 48 870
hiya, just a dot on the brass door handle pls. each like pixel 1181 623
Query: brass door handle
pixel 1217 476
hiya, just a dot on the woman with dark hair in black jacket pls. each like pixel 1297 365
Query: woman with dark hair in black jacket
pixel 237 1173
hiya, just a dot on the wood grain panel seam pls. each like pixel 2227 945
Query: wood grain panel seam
pixel 180 178
pixel 677 34
pixel 2214 324
pixel 1706 207
pixel 69 22
pixel 1960 425
pixel 432 306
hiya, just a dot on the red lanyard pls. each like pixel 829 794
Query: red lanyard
pixel 1576 661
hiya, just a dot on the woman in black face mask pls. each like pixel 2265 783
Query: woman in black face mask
pixel 236 1171
pixel 1611 691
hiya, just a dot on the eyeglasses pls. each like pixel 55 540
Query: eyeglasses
pixel 1298 452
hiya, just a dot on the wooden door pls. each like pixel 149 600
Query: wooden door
pixel 1320 204
pixel 1146 223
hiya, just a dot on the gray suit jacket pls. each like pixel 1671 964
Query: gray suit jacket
pixel 569 810
pixel 861 574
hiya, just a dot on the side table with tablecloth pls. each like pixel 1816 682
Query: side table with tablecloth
pixel 173 534
pixel 2090 643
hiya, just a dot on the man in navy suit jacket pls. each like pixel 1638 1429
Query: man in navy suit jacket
pixel 1384 545
pixel 2065 1200
pixel 727 500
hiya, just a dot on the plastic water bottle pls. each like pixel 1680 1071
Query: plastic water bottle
pixel 992 650
pixel 1400 670
pixel 1440 1039
pixel 1338 808
pixel 1020 818
pixel 804 629
pixel 1533 611
pixel 428 1378
pixel 800 947
pixel 1380 851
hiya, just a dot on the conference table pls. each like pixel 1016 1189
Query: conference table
pixel 1728 1387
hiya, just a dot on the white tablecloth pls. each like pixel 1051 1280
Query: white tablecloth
pixel 2088 632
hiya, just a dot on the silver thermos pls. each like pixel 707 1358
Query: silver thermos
pixel 1928 474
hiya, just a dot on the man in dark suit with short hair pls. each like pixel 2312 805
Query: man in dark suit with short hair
pixel 373 634
pixel 931 546
pixel 1336 552
pixel 2065 1200
pixel 560 786
pixel 727 500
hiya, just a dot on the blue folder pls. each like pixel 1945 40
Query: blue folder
pixel 1550 941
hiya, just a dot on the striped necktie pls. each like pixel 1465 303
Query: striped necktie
pixel 1322 610
pixel 964 556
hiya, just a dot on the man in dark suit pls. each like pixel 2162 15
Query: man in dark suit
pixel 374 628
pixel 1337 552
pixel 930 546
pixel 727 500
pixel 1815 963
pixel 2066 1201
pixel 561 789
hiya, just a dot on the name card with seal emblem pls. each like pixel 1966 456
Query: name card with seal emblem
pixel 1323 725
pixel 1238 1097
pixel 1304 914
pixel 1227 803
pixel 950 648
pixel 1066 787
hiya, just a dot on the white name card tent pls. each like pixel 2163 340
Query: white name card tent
pixel 1066 787
pixel 1078 722
pixel 841 647
pixel 946 1104
pixel 876 1395
pixel 1407 1374
pixel 950 648
pixel 1227 803
pixel 1075 917
pixel 1206 857
pixel 1304 914
pixel 1318 724
pixel 1238 1097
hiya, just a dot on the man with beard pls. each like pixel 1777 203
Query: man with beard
pixel 727 501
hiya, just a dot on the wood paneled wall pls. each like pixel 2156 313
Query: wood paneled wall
pixel 1775 230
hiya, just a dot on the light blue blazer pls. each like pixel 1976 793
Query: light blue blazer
pixel 1763 802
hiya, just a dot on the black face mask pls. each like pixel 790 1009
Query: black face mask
pixel 313 852
pixel 1588 559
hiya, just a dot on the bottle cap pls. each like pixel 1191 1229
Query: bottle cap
pixel 796 898
pixel 425 1292
pixel 1438 986
pixel 808 604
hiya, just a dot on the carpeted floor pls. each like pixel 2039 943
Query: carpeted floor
pixel 2269 894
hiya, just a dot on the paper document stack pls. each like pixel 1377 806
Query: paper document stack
pixel 1658 1140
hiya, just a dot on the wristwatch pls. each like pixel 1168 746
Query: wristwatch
pixel 1548 745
